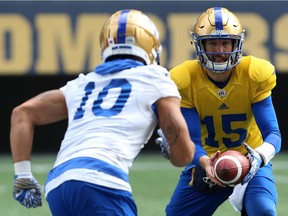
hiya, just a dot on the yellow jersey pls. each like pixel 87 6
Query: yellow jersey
pixel 226 113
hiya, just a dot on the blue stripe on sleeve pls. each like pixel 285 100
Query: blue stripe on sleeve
pixel 266 120
pixel 193 121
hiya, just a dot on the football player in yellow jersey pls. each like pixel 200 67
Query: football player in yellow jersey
pixel 226 101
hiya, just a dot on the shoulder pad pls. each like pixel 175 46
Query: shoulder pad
pixel 260 70
pixel 181 74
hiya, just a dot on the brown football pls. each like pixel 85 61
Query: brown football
pixel 230 167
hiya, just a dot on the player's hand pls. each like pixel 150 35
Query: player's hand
pixel 255 161
pixel 27 191
pixel 209 168
pixel 209 164
pixel 162 142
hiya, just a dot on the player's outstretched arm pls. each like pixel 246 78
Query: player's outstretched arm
pixel 175 130
pixel 45 108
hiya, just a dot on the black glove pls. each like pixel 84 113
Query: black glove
pixel 201 183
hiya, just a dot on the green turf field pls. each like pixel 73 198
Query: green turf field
pixel 152 177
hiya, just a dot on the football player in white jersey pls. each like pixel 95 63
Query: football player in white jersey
pixel 112 112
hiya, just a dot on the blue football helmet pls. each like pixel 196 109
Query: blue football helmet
pixel 130 32
pixel 218 23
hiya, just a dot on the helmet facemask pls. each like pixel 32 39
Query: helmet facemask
pixel 210 25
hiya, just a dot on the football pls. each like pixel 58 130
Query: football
pixel 230 167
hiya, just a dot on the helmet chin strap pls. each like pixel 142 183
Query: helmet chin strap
pixel 219 67
pixel 216 67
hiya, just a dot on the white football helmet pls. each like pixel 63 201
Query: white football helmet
pixel 218 23
pixel 130 32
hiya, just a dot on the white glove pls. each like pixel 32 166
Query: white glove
pixel 162 142
pixel 255 161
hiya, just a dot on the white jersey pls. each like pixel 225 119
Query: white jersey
pixel 110 118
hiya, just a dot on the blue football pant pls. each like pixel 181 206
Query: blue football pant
pixel 260 197
pixel 77 198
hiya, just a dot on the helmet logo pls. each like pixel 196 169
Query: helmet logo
pixel 130 40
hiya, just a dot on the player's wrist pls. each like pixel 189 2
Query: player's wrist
pixel 204 161
pixel 23 169
pixel 266 151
